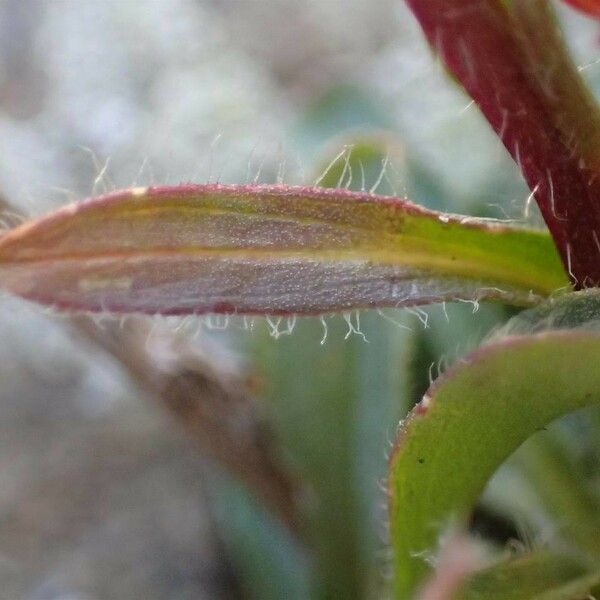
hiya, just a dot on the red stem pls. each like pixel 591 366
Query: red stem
pixel 477 41
pixel 592 7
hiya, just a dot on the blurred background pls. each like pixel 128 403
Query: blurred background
pixel 238 458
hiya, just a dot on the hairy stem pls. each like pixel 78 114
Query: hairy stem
pixel 516 83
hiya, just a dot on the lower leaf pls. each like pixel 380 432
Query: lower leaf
pixel 478 413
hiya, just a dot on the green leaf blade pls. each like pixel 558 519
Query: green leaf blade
pixel 474 417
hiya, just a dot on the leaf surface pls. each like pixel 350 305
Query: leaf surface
pixel 268 249
pixel 542 366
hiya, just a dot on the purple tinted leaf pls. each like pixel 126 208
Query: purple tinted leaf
pixel 267 249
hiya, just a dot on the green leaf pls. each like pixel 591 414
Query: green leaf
pixel 479 412
pixel 370 161
pixel 268 249
pixel 336 389
pixel 341 109
pixel 538 576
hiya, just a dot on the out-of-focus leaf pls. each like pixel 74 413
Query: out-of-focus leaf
pixel 268 249
pixel 335 407
pixel 340 110
pixel 457 560
pixel 268 561
pixel 373 161
pixel 479 412
pixel 569 311
pixel 538 576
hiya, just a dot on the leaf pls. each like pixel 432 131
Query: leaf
pixel 341 109
pixel 479 412
pixel 334 407
pixel 268 562
pixel 369 161
pixel 267 249
pixel 537 576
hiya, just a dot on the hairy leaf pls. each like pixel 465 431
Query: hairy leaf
pixel 267 249
pixel 572 107
pixel 542 366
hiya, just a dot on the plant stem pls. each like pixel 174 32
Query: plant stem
pixel 483 45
